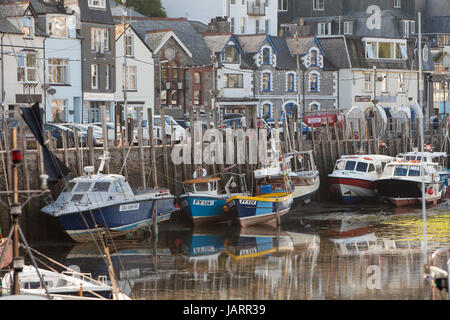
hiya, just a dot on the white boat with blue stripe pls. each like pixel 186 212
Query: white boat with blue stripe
pixel 96 203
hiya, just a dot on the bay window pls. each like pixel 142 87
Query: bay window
pixel 27 67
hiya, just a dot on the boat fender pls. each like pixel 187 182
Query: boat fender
pixel 430 191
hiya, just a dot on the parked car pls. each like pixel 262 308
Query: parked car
pixel 109 128
pixel 231 123
pixel 227 116
pixel 14 123
pixel 184 123
pixel 179 131
pixel 97 134
pixel 56 131
pixel 305 129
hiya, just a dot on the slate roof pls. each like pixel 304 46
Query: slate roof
pixel 285 59
pixel 50 6
pixel 251 43
pixel 437 25
pixel 216 42
pixel 153 39
pixel 201 54
pixel 199 26
pixel 8 27
pixel 300 45
pixel 336 55
pixel 13 9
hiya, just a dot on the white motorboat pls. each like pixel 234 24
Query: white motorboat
pixel 354 176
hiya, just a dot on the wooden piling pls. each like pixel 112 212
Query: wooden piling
pixel 77 152
pixel 152 147
pixel 90 144
pixel 141 149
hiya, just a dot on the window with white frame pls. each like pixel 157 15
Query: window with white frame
pixel 324 28
pixel 97 4
pixel 348 27
pixel 94 76
pixel 99 39
pixel 232 25
pixel 314 106
pixel 267 26
pixel 131 78
pixel 57 71
pixel 386 50
pixel 59 110
pixel 409 28
pixel 318 5
pixel 367 81
pixel 266 81
pixel 282 5
pixel 57 27
pixel 397 3
pixel 314 82
pixel 129 45
pixel 233 80
pixel 290 82
pixel 27 67
pixel 257 28
pixel 28 26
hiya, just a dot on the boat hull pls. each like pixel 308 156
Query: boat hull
pixel 258 210
pixel 116 220
pixel 204 209
pixel 305 188
pixel 352 190
pixel 404 193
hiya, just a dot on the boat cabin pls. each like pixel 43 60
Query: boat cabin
pixel 203 185
pixel 404 168
pixel 362 164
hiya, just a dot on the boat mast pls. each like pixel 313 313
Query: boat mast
pixel 281 151
pixel 424 214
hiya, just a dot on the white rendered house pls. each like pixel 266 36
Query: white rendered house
pixel 245 16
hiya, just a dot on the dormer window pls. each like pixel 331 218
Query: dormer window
pixel 385 49
pixel 409 28
pixel 231 54
pixel 101 4
pixel 425 53
pixel 28 28
pixel 266 56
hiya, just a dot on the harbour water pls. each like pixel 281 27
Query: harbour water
pixel 321 251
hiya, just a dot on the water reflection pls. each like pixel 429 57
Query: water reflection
pixel 318 256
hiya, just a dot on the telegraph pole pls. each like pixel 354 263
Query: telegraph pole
pixel 125 71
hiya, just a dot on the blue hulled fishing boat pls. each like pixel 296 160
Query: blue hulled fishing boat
pixel 96 202
pixel 202 201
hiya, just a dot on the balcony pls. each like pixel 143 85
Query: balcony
pixel 256 9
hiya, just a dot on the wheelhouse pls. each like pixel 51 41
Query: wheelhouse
pixel 399 169
pixel 208 185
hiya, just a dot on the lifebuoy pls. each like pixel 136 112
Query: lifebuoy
pixel 199 173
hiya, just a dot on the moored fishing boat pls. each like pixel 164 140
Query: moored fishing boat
pixel 202 201
pixel 401 183
pixel 105 202
pixel 354 176
pixel 268 208
pixel 304 181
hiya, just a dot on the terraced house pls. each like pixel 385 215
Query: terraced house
pixel 95 26
pixel 22 53
pixel 63 88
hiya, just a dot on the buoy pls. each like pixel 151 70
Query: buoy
pixel 199 173
pixel 430 191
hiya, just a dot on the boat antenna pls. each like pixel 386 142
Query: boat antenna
pixel 424 214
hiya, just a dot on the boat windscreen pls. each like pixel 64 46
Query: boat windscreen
pixel 101 187
pixel 339 165
pixel 362 166
pixel 69 187
pixel 82 187
pixel 414 171
pixel 400 171
pixel 350 165
pixel 202 186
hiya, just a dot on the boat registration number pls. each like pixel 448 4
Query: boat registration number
pixel 203 202
pixel 129 207
pixel 248 202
